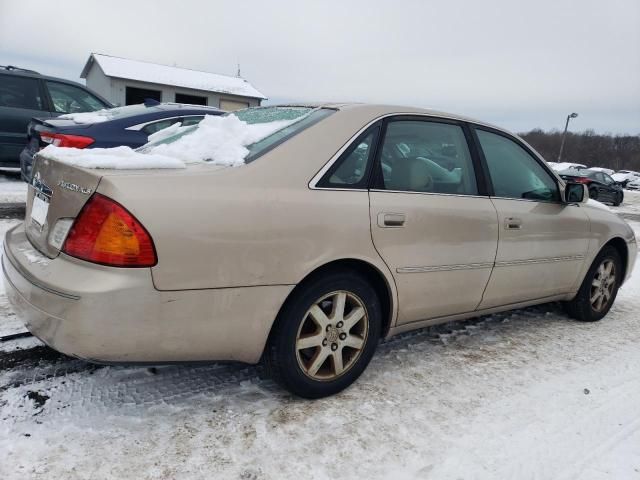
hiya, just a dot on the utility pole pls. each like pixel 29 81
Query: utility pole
pixel 564 135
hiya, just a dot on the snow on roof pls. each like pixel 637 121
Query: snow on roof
pixel 166 75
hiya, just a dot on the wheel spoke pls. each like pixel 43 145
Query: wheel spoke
pixel 354 317
pixel 339 302
pixel 318 316
pixel 338 366
pixel 596 282
pixel 597 294
pixel 322 337
pixel 353 341
pixel 318 360
pixel 310 341
pixel 607 269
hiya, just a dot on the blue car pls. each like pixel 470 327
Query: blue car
pixel 129 126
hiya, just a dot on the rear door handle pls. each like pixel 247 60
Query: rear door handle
pixel 386 220
pixel 512 223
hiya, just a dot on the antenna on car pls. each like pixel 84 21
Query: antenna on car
pixel 151 102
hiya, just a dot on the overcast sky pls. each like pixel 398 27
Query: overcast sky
pixel 519 64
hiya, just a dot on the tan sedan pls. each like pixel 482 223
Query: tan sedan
pixel 347 224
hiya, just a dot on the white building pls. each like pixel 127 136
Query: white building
pixel 126 82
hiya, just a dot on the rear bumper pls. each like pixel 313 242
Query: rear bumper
pixel 106 314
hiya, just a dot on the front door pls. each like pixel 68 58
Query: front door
pixel 543 241
pixel 21 99
pixel 429 223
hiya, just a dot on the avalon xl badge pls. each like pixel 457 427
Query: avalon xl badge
pixel 73 187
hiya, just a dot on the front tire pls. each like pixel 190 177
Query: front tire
pixel 619 199
pixel 325 335
pixel 599 287
pixel 593 193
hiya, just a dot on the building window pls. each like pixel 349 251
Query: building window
pixel 190 99
pixel 231 105
pixel 136 95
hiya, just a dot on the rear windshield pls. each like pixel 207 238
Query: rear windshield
pixel 294 120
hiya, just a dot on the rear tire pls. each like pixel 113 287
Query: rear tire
pixel 325 335
pixel 593 193
pixel 599 287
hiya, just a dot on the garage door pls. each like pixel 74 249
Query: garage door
pixel 231 105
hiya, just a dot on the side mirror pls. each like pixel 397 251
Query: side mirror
pixel 576 193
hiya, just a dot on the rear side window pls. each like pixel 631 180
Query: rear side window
pixel 514 172
pixel 71 99
pixel 157 126
pixel 188 121
pixel 427 156
pixel 350 171
pixel 20 92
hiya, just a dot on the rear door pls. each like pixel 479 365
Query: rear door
pixel 543 241
pixel 21 98
pixel 430 220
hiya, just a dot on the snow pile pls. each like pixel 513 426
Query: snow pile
pixel 115 158
pixel 220 140
pixel 89 117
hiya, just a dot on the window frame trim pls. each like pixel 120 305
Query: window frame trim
pixel 482 182
pixel 532 153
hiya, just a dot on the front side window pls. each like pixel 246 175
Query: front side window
pixel 514 172
pixel 20 92
pixel 71 99
pixel 426 156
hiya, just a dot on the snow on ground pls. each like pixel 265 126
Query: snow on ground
pixel 12 188
pixel 630 204
pixel 527 394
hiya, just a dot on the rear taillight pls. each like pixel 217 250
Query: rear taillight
pixel 584 180
pixel 63 140
pixel 105 232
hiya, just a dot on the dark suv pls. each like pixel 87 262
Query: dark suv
pixel 25 94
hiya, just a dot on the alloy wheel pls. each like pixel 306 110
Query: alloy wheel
pixel 602 285
pixel 332 335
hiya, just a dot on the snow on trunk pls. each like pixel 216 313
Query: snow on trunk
pixel 219 140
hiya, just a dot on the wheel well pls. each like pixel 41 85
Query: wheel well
pixel 368 271
pixel 621 246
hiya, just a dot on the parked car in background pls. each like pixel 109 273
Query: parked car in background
pixel 633 185
pixel 129 126
pixel 301 235
pixel 601 186
pixel 564 165
pixel 623 177
pixel 608 171
pixel 25 94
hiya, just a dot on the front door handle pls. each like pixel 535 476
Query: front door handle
pixel 386 220
pixel 512 223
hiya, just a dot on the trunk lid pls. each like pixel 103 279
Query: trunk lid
pixel 57 191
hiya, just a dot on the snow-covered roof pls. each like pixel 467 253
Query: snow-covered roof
pixel 166 75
